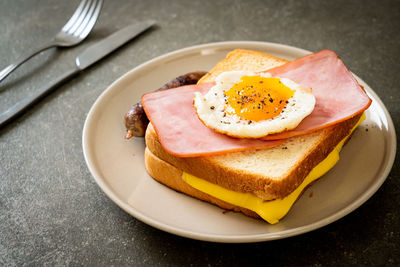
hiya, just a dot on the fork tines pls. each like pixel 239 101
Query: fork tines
pixel 82 21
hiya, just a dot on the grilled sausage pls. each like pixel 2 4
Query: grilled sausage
pixel 136 120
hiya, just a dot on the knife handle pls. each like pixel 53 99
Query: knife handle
pixel 26 102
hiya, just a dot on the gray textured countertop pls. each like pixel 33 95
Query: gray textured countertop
pixel 51 210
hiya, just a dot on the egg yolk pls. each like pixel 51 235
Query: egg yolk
pixel 257 98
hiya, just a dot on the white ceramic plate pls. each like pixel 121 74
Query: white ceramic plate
pixel 117 165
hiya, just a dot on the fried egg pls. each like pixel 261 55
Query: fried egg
pixel 249 105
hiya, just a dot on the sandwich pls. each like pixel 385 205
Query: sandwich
pixel 226 155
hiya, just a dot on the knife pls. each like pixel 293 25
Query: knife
pixel 84 60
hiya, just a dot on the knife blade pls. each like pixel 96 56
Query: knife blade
pixel 84 60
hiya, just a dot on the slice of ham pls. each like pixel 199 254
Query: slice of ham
pixel 338 98
pixel 181 133
pixel 338 94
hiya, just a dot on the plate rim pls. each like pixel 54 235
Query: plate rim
pixel 216 237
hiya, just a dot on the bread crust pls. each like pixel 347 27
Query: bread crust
pixel 241 59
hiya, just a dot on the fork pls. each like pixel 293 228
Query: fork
pixel 74 31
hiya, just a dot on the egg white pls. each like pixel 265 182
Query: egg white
pixel 213 112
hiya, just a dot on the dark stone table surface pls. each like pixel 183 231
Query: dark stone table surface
pixel 53 213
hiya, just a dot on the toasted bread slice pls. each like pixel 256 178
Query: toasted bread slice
pixel 268 173
pixel 171 176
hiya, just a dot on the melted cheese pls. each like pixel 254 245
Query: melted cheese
pixel 271 211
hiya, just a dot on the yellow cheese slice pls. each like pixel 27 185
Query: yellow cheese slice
pixel 271 211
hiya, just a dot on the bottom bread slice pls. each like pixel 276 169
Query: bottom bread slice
pixel 170 176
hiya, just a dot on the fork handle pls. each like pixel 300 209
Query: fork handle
pixel 7 70
pixel 31 99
